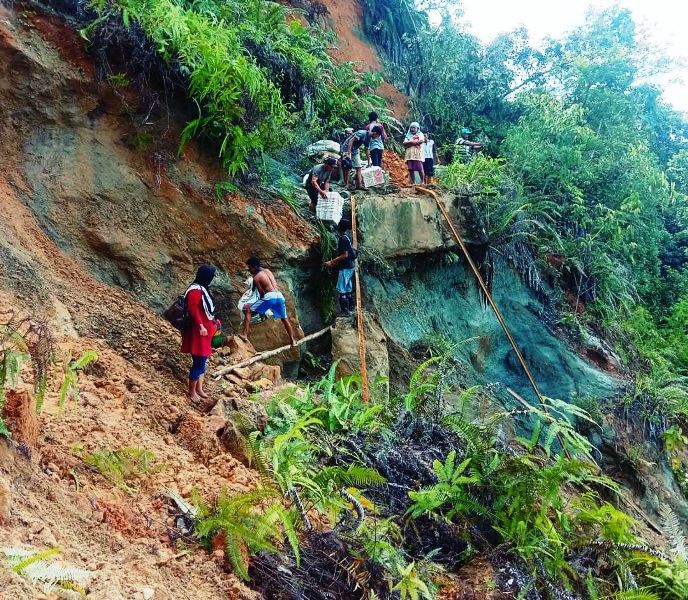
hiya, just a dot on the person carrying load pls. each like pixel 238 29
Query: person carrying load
pixel 351 155
pixel 317 181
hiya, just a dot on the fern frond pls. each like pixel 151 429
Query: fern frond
pixel 674 530
pixel 287 521
pixel 257 457
pixel 32 558
pixel 33 565
pixel 355 476
pixel 244 425
pixel 639 594
pixel 477 437
pixel 233 548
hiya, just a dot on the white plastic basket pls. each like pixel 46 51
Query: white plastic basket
pixel 330 208
pixel 373 176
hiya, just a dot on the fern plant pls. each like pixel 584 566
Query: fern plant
pixel 121 466
pixel 70 380
pixel 34 566
pixel 250 523
pixel 22 339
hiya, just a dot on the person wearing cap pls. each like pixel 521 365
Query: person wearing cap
pixel 466 145
pixel 413 142
pixel 344 261
pixel 351 155
pixel 318 180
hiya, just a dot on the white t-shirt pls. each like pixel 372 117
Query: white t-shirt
pixel 428 148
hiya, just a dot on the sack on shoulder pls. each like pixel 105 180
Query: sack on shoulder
pixel 178 314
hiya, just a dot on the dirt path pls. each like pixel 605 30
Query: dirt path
pixel 130 400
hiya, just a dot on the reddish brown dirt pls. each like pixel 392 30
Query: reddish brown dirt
pixel 131 397
pixel 395 167
pixel 346 19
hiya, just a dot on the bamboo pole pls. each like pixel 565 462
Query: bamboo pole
pixel 492 303
pixel 359 310
pixel 267 354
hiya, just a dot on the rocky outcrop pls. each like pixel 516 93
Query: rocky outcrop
pixel 345 347
pixel 397 226
pixel 444 300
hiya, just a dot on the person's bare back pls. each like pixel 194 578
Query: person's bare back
pixel 264 280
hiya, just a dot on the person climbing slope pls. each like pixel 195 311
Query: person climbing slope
pixel 270 299
pixel 344 261
pixel 197 338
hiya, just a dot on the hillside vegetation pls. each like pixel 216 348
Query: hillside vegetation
pixel 583 188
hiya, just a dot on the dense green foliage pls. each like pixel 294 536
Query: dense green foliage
pixel 257 73
pixel 583 183
pixel 412 485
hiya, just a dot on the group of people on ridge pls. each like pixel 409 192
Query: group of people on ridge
pixel 420 156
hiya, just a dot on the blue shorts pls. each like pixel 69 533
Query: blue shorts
pixel 271 301
pixel 344 281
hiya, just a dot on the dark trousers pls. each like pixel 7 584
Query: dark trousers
pixel 376 157
pixel 313 194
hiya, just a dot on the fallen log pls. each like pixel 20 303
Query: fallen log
pixel 267 354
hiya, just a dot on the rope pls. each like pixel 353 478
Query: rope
pixel 359 309
pixel 492 303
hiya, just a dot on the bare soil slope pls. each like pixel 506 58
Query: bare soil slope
pixel 79 210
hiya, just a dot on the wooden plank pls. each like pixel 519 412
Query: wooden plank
pixel 268 353
pixel 365 393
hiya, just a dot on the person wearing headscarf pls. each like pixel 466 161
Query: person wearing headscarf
pixel 413 142
pixel 197 338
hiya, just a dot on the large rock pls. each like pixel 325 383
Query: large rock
pixel 439 300
pixel 345 348
pixel 400 226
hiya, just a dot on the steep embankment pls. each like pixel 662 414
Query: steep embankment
pixel 93 236
pixel 97 235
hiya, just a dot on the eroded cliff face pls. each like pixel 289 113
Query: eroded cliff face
pixel 141 221
pixel 97 236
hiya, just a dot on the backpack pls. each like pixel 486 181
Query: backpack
pixel 354 251
pixel 178 314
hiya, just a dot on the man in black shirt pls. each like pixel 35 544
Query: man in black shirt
pixel 345 263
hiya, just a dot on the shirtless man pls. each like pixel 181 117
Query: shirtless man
pixel 270 299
